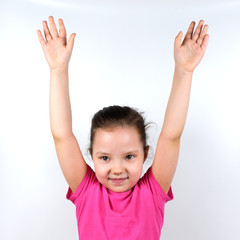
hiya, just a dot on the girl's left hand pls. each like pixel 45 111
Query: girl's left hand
pixel 189 53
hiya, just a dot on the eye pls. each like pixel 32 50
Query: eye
pixel 129 156
pixel 104 158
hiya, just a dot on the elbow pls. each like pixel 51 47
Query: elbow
pixel 174 137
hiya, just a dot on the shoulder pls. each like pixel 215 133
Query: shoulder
pixel 88 181
pixel 149 181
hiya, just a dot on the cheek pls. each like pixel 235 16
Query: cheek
pixel 136 168
pixel 100 169
pixel 100 175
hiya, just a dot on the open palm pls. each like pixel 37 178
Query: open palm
pixel 189 53
pixel 55 46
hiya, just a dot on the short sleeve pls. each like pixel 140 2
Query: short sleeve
pixel 83 185
pixel 166 197
pixel 156 188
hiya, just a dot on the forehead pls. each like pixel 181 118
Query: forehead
pixel 117 138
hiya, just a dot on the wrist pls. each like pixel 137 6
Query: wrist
pixel 59 70
pixel 182 72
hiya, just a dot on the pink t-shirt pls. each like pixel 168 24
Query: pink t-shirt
pixel 106 215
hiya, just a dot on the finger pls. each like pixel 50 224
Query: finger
pixel 178 40
pixel 198 30
pixel 190 31
pixel 47 33
pixel 62 29
pixel 202 35
pixel 205 42
pixel 41 39
pixel 53 27
pixel 70 42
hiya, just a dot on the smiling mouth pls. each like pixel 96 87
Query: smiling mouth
pixel 118 180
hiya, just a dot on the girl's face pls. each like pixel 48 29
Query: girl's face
pixel 118 157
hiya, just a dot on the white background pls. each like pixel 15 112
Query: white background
pixel 123 54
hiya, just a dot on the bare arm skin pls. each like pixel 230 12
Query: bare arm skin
pixel 188 55
pixel 57 51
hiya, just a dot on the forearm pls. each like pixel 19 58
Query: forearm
pixel 60 107
pixel 176 111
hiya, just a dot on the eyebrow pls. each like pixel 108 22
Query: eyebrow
pixel 105 153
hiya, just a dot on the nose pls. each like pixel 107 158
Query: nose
pixel 118 168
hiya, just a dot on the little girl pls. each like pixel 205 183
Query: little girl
pixel 114 202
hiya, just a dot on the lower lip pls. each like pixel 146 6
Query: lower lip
pixel 118 180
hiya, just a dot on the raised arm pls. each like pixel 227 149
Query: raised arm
pixel 57 51
pixel 188 55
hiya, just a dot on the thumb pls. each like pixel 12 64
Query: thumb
pixel 70 42
pixel 178 40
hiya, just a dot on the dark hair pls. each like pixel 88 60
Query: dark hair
pixel 114 116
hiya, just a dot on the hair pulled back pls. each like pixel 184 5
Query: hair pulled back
pixel 113 116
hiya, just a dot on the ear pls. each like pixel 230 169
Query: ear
pixel 146 153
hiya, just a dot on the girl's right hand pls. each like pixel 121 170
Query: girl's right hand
pixel 56 48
